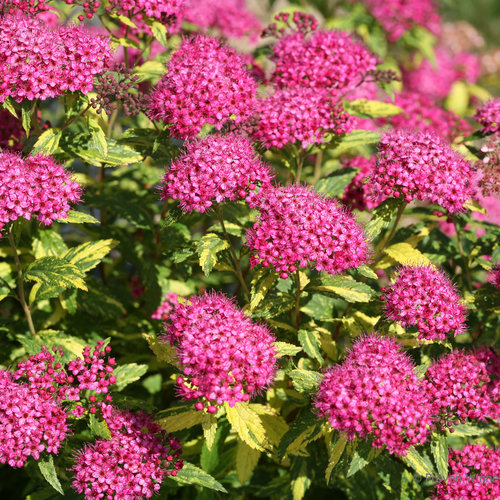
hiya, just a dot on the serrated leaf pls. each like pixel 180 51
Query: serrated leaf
pixel 159 32
pixel 190 474
pixel 367 272
pixel 209 426
pixel 99 427
pixel 382 216
pixel 163 351
pixel 7 104
pixel 117 154
pixel 246 461
pixel 335 184
pixel 208 248
pixel 179 418
pixel 356 139
pixel 125 20
pixel 75 217
pixel 363 455
pixel 335 454
pixel 26 118
pixel 285 349
pixel 302 431
pixel 421 465
pixel 464 430
pixel 247 424
pixel 46 466
pixel 127 374
pixel 98 138
pixel 48 243
pixel 55 271
pixel 48 142
pixel 274 424
pixel 262 282
pixel 371 109
pixel 87 255
pixel 439 448
pixel 304 380
pixel 310 342
pixel 405 254
pixel 301 481
pixel 349 290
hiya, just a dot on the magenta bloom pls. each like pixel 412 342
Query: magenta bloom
pixel 224 355
pixel 41 62
pixel 423 296
pixel 470 474
pixel 488 115
pixel 166 307
pixel 297 227
pixel 462 386
pixel 376 394
pixel 357 194
pixel 215 169
pixel 330 60
pixel 30 422
pixel 422 165
pixel 494 276
pixel 130 465
pixel 162 10
pixel 34 186
pixel 206 83
pixel 399 16
pixel 299 115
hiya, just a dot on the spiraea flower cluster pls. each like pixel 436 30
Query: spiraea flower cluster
pixel 131 464
pixel 207 83
pixel 215 169
pixel 460 387
pixel 472 473
pixel 162 10
pixel 398 16
pixel 424 297
pixel 298 115
pixel 166 307
pixel 376 394
pixel 422 166
pixel 34 186
pixel 224 356
pixel 494 275
pixel 357 194
pixel 298 227
pixel 489 167
pixel 39 62
pixel 330 60
pixel 488 115
pixel 30 423
pixel 42 7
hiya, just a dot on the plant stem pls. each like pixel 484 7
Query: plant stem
pixel 297 300
pixel 383 244
pixel 220 216
pixel 339 326
pixel 299 159
pixel 317 166
pixel 462 254
pixel 20 283
pixel 72 120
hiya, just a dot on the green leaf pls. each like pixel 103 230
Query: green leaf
pixel 382 216
pixel 8 105
pixel 349 290
pixel 367 272
pixel 55 271
pixel 209 426
pixel 247 424
pixel 98 136
pixel 371 109
pixel 285 349
pixel 310 341
pixel 363 455
pixel 439 448
pixel 162 350
pixel 117 153
pixel 208 248
pixel 405 254
pixel 99 427
pixel 87 255
pixel 210 458
pixel 26 118
pixel 190 474
pixel 465 430
pixel 125 20
pixel 75 217
pixel 304 380
pixel 246 461
pixel 356 139
pixel 417 462
pixel 126 374
pixel 335 454
pixel 335 184
pixel 46 466
pixel 179 418
pixel 48 243
pixel 48 142
pixel 262 282
pixel 301 480
pixel 159 32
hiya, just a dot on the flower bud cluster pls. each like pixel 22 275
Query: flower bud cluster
pixel 488 115
pixel 166 307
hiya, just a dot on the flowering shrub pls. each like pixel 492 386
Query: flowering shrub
pixel 248 252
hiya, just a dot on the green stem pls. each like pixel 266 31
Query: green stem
pixel 299 159
pixel 317 166
pixel 297 300
pixel 383 244
pixel 72 120
pixel 462 254
pixel 339 326
pixel 111 122
pixel 220 216
pixel 34 118
pixel 20 283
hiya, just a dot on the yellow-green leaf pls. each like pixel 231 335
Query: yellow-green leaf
pixel 46 466
pixel 128 373
pixel 262 282
pixel 246 461
pixel 285 349
pixel 48 142
pixel 159 32
pixel 190 474
pixel 75 217
pixel 371 109
pixel 350 290
pixel 247 424
pixel 274 424
pixel 418 463
pixel 311 342
pixel 356 139
pixel 179 418
pixel 208 248
pixel 304 380
pixel 439 448
pixel 55 271
pixel 87 255
pixel 209 426
pixel 162 350
pixel 335 454
pixel 405 254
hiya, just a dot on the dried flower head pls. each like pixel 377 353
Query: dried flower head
pixel 489 167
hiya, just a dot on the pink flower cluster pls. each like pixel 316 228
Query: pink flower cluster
pixel 298 115
pixel 131 464
pixel 11 131
pixel 472 474
pixel 489 168
pixel 214 169
pixel 488 115
pixel 39 62
pixel 422 113
pixel 224 355
pixel 376 394
pixel 34 186
pixel 82 379
pixel 422 165
pixel 30 423
pixel 297 227
pixel 357 194
pixel 230 17
pixel 424 297
pixel 166 307
pixel 206 83
pixel 330 60
pixel 43 10
pixel 162 10
pixel 460 386
pixel 494 276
